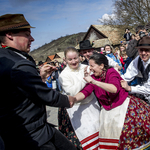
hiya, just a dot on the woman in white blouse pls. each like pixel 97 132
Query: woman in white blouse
pixel 80 124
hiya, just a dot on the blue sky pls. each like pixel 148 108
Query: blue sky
pixel 56 18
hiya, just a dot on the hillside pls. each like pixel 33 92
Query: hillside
pixel 56 46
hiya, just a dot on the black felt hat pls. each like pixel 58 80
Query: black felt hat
pixel 85 45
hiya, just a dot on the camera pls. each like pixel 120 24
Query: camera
pixel 127 30
pixel 141 34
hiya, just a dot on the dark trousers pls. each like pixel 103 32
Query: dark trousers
pixel 1 144
pixel 58 142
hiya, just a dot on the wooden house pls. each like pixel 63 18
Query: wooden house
pixel 49 58
pixel 57 57
pixel 100 35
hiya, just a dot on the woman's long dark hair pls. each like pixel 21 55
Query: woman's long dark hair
pixel 100 59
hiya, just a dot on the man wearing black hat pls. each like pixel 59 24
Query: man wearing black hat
pixel 87 50
pixel 24 95
pixel 141 64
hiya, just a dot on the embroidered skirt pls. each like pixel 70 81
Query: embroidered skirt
pixel 136 129
pixel 125 127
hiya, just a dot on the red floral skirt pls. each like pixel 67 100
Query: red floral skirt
pixel 136 129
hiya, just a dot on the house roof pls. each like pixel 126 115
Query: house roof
pixel 101 43
pixel 58 59
pixel 60 54
pixel 51 57
pixel 112 35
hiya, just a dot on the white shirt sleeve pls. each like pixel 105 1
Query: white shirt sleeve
pixel 144 89
pixel 111 62
pixel 131 72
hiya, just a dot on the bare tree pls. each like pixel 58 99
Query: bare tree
pixel 129 13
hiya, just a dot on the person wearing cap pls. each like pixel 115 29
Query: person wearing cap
pixel 86 49
pixel 140 65
pixel 23 120
pixel 131 49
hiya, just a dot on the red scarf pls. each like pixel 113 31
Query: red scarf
pixel 103 75
pixel 4 46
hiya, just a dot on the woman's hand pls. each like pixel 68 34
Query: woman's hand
pixel 88 79
pixel 125 85
pixel 87 76
pixel 86 73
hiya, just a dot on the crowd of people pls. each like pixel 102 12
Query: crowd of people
pixel 103 96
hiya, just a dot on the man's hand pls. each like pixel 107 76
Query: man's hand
pixel 125 85
pixel 72 100
pixel 46 71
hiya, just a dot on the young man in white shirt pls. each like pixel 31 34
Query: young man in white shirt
pixel 141 64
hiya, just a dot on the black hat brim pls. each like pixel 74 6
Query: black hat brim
pixel 85 48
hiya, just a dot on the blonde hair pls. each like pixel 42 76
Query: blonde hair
pixel 70 49
pixel 115 49
pixel 122 45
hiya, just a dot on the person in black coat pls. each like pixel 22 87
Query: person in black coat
pixel 127 34
pixel 131 49
pixel 24 95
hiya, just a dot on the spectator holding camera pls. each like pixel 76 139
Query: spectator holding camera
pixel 127 34
pixel 131 48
